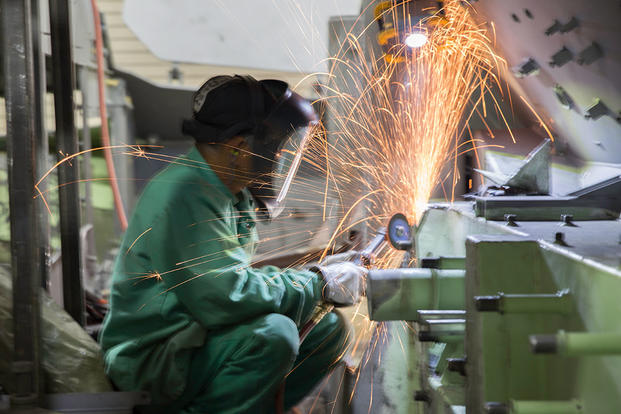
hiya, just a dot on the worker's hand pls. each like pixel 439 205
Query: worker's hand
pixel 345 283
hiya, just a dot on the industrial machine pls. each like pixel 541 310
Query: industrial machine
pixel 506 299
pixel 510 305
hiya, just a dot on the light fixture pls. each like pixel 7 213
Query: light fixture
pixel 416 40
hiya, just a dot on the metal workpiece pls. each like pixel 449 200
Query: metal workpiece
pixel 559 302
pixel 67 144
pixel 531 177
pixel 601 201
pixel 398 294
pixel 577 343
pixel 23 117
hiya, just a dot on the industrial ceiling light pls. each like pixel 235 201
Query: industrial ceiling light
pixel 416 39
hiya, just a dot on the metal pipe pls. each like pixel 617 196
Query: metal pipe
pixel 559 302
pixel 546 407
pixel 398 294
pixel 577 343
pixel 67 144
pixel 22 140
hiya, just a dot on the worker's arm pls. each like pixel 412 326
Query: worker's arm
pixel 211 274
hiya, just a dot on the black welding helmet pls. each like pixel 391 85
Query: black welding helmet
pixel 276 121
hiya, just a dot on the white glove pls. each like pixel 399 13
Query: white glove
pixel 345 283
pixel 339 258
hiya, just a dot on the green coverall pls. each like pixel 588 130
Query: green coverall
pixel 192 322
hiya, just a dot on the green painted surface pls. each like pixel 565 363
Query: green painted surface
pixel 584 343
pixel 546 288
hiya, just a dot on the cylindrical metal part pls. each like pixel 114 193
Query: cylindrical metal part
pixel 559 302
pixel 546 407
pixel 578 343
pixel 538 303
pixel 589 343
pixel 67 144
pixel 398 294
pixel 543 344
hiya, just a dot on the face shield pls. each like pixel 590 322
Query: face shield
pixel 287 162
pixel 281 142
pixel 276 122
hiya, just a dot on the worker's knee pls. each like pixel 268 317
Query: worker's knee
pixel 279 335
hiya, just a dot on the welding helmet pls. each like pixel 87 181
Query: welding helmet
pixel 276 122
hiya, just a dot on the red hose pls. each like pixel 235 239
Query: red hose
pixel 103 113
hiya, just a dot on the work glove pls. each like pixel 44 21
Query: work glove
pixel 345 282
pixel 347 256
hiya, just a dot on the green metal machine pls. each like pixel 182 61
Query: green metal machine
pixel 506 319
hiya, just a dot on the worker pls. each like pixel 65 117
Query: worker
pixel 191 321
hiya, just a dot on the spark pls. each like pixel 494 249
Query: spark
pixel 138 238
pixel 543 124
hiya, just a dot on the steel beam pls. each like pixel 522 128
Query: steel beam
pixel 67 144
pixel 41 137
pixel 22 115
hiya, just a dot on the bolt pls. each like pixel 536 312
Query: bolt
pixel 543 344
pixel 426 336
pixel 559 238
pixel 422 395
pixel 510 219
pixel 568 220
pixel 487 303
pixel 457 365
pixel 496 408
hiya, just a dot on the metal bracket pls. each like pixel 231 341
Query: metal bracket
pixel 532 177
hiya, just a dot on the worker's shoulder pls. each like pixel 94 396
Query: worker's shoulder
pixel 179 185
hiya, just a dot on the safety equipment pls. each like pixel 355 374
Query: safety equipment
pixel 345 282
pixel 275 121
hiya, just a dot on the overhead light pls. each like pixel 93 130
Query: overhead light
pixel 416 40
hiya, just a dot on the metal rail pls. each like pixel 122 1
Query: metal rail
pixel 66 144
pixel 22 117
